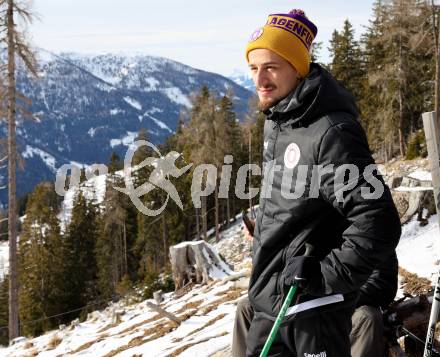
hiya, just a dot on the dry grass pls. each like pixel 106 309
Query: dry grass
pixel 108 327
pixel 413 284
pixel 153 333
pixel 183 348
pixel 156 332
pixel 231 294
pixel 209 323
pixel 55 341
pixel 28 345
pixel 184 290
pixel 90 343
pixel 188 306
pixel 132 327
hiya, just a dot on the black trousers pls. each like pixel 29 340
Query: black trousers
pixel 322 335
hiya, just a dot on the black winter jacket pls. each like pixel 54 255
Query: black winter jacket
pixel 381 287
pixel 352 233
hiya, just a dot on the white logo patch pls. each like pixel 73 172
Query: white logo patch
pixel 266 144
pixel 291 155
pixel 256 34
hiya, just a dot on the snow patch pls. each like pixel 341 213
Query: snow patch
pixel 91 132
pixel 413 189
pixel 159 123
pixel 133 102
pixel 421 175
pixel 127 140
pixel 419 248
pixel 154 110
pixel 115 111
pixel 152 83
pixel 176 95
pixel 4 259
pixel 92 189
pixel 48 159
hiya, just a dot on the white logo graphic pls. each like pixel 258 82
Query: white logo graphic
pixel 256 34
pixel 266 144
pixel 164 167
pixel 291 156
pixel 320 354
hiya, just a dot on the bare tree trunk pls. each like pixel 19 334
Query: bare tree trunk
pixel 401 84
pixel 197 223
pixel 217 233
pixel 204 218
pixel 12 166
pixel 165 240
pixel 228 212
pixel 436 34
pixel 125 249
pixel 193 262
pixel 400 128
pixel 437 77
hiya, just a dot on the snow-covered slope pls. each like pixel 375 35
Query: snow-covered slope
pixel 207 313
pixel 419 248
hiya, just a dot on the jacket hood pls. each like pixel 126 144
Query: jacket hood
pixel 317 95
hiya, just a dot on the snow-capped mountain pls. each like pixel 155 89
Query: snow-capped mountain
pixel 242 79
pixel 88 105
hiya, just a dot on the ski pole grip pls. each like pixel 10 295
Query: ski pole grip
pixel 290 296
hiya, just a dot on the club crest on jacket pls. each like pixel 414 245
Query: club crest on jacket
pixel 291 155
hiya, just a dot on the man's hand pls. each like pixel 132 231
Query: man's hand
pixel 302 270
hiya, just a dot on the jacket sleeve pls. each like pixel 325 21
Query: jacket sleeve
pixel 360 195
pixel 381 286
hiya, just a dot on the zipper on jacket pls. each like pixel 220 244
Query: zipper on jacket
pixel 280 276
pixel 277 131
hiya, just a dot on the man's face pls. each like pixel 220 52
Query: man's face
pixel 273 76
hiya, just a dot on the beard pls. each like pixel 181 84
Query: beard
pixel 267 103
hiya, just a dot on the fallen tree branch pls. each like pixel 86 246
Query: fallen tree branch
pixel 163 312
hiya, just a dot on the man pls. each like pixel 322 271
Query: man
pixel 319 187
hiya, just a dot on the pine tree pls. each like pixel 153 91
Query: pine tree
pixel 115 163
pixel 346 59
pixel 399 62
pixel 198 136
pixel 79 250
pixel 111 246
pixel 40 268
pixel 375 116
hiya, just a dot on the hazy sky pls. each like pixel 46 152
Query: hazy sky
pixel 204 34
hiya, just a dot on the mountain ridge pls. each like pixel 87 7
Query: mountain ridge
pixel 91 105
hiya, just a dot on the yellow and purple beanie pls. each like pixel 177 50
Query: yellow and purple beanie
pixel 288 35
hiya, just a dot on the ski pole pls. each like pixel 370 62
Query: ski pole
pixel 435 353
pixel 430 337
pixel 290 295
pixel 433 144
